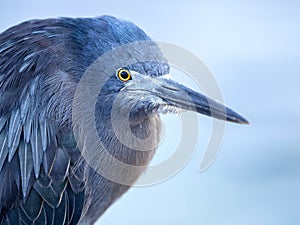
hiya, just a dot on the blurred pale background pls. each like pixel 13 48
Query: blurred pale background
pixel 252 48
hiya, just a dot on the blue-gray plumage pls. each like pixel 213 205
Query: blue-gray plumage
pixel 43 177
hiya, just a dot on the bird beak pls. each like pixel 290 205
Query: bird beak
pixel 179 96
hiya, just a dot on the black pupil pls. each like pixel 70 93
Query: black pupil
pixel 124 75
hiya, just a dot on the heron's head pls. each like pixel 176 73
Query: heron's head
pixel 143 84
pixel 145 94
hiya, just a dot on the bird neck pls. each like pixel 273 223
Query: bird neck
pixel 132 141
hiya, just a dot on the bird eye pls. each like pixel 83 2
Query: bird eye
pixel 124 75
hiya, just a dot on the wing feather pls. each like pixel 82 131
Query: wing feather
pixel 3 121
pixel 26 165
pixel 3 149
pixel 43 129
pixel 36 146
pixel 27 129
pixel 38 183
pixel 14 133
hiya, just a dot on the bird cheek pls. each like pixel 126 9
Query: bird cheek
pixel 144 107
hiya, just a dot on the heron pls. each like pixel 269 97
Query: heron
pixel 43 175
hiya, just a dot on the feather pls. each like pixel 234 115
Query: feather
pixel 5 46
pixel 13 216
pixel 37 153
pixel 48 195
pixel 3 149
pixel 24 66
pixel 67 208
pixel 26 165
pixel 26 102
pixel 15 142
pixel 23 218
pixel 61 212
pixel 27 129
pixel 1 76
pixel 33 205
pixel 29 56
pixel 77 206
pixel 33 87
pixel 14 123
pixel 8 187
pixel 42 219
pixel 77 183
pixel 60 167
pixel 5 221
pixel 43 128
pixel 3 120
pixel 59 189
pixel 49 214
pixel 52 196
pixel 48 158
pixel 71 203
pixel 15 167
pixel 44 182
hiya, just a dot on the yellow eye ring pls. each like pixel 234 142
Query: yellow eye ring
pixel 124 75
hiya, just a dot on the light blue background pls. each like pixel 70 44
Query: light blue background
pixel 253 49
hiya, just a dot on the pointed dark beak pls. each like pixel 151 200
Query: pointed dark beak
pixel 180 96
